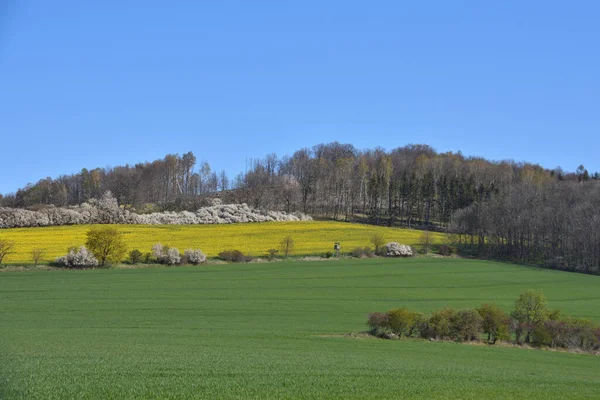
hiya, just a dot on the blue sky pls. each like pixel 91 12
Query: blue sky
pixel 86 84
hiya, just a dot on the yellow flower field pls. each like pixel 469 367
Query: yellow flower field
pixel 311 237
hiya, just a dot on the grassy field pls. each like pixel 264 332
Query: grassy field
pixel 273 331
pixel 255 239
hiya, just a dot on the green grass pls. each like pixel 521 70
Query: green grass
pixel 269 331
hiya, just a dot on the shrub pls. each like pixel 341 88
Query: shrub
pixel 358 252
pixel 158 251
pixel 495 322
pixel 135 256
pixel 445 250
pixel 403 321
pixel 194 257
pixel 439 324
pixel 395 249
pixel 378 320
pixel 369 252
pixel 81 257
pixel 233 256
pixel 147 257
pixel 328 254
pixel 172 257
pixel 106 243
pixel 466 325
pixel 271 254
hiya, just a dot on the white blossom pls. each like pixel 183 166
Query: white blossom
pixel 395 249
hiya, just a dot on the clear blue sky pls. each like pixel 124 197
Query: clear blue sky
pixel 97 83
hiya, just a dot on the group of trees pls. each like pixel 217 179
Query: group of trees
pixel 411 186
pixel 172 183
pixel 555 225
pixel 531 322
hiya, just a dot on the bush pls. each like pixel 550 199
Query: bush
pixel 358 252
pixel 81 257
pixel 158 251
pixel 378 320
pixel 135 256
pixel 234 256
pixel 403 321
pixel 166 255
pixel 439 325
pixel 395 249
pixel 445 250
pixel 194 257
pixel 495 323
pixel 147 257
pixel 466 325
pixel 328 254
pixel 271 254
pixel 172 257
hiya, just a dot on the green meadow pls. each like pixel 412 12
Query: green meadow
pixel 276 330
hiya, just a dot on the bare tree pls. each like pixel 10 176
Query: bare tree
pixel 37 254
pixel 6 248
pixel 287 245
pixel 425 241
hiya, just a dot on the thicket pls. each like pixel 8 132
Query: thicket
pixel 531 323
pixel 106 210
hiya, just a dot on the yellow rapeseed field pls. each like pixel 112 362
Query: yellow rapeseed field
pixel 311 237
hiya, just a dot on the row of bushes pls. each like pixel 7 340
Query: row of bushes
pixel 531 322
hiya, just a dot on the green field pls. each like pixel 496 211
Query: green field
pixel 271 331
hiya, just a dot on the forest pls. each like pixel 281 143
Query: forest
pixel 514 211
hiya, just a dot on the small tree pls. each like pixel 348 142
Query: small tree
pixel 6 248
pixel 378 241
pixel 106 243
pixel 530 311
pixel 287 245
pixel 135 256
pixel 425 241
pixel 36 255
pixel 496 323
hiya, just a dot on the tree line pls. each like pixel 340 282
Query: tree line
pixel 499 209
pixel 168 184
